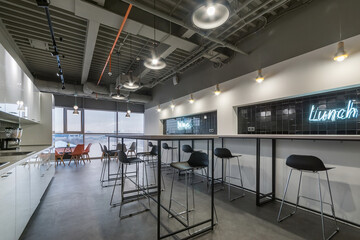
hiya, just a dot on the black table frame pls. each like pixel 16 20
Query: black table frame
pixel 158 200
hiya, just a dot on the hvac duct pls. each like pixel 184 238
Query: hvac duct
pixel 87 91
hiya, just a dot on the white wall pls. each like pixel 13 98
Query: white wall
pixel 306 74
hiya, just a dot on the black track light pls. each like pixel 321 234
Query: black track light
pixel 55 53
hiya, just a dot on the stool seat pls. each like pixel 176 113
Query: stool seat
pixel 182 166
pixel 306 163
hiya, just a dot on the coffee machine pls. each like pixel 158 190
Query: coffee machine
pixel 10 138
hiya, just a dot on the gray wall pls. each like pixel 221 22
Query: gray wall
pixel 88 103
pixel 298 32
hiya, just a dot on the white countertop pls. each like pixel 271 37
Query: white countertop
pixel 13 160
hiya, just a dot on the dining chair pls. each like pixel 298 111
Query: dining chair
pixel 77 154
pixel 132 149
pixel 86 152
pixel 59 157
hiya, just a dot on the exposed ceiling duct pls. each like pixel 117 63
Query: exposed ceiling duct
pixel 88 90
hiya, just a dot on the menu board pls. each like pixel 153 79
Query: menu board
pixel 335 112
pixel 205 123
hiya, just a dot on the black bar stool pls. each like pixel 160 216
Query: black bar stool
pixel 311 164
pixel 188 149
pixel 107 156
pixel 226 155
pixel 198 160
pixel 149 158
pixel 124 163
pixel 168 149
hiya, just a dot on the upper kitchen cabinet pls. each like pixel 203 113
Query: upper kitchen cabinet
pixel 18 95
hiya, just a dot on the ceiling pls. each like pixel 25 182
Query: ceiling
pixel 84 48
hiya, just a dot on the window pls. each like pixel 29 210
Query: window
pixel 100 121
pixel 133 124
pixel 61 140
pixel 58 120
pixel 73 121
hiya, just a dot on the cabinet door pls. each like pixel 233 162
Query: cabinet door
pixel 22 197
pixel 7 205
pixel 35 184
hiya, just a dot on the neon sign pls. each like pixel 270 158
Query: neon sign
pixel 318 115
pixel 184 125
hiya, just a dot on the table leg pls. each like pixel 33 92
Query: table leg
pixel 258 172
pixel 159 191
pixel 212 184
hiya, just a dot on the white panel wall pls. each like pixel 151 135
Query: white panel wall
pixel 306 74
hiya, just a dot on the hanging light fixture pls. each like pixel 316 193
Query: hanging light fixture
pixel 76 108
pixel 172 105
pixel 127 115
pixel 217 90
pixel 118 95
pixel 158 108
pixel 110 73
pixel 260 78
pixel 132 83
pixel 340 54
pixel 155 62
pixel 211 14
pixel 191 100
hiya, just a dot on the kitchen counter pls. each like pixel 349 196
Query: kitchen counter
pixel 17 159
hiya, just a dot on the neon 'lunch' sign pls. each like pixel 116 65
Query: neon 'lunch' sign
pixel 182 125
pixel 318 115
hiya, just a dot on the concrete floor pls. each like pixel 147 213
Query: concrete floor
pixel 76 207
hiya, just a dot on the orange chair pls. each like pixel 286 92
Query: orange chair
pixel 59 156
pixel 86 152
pixel 77 154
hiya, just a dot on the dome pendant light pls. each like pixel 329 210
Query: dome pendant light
pixel 217 90
pixel 191 100
pixel 211 14
pixel 260 78
pixel 155 62
pixel 118 95
pixel 340 54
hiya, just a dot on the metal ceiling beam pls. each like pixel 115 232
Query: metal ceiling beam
pixel 91 36
pixel 183 24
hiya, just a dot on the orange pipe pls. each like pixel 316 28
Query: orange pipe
pixel 116 39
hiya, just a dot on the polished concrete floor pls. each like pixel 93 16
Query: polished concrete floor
pixel 76 207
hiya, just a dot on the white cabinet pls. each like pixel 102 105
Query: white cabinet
pixel 22 197
pixel 7 205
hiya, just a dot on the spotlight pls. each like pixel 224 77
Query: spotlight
pixel 158 108
pixel 340 54
pixel 191 100
pixel 260 78
pixel 110 74
pixel 217 90
pixel 172 105
pixel 55 53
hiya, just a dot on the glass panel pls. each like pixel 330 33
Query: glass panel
pixel 95 139
pixel 133 124
pixel 61 140
pixel 100 121
pixel 58 120
pixel 73 121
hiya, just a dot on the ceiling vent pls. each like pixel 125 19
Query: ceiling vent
pixel 39 44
